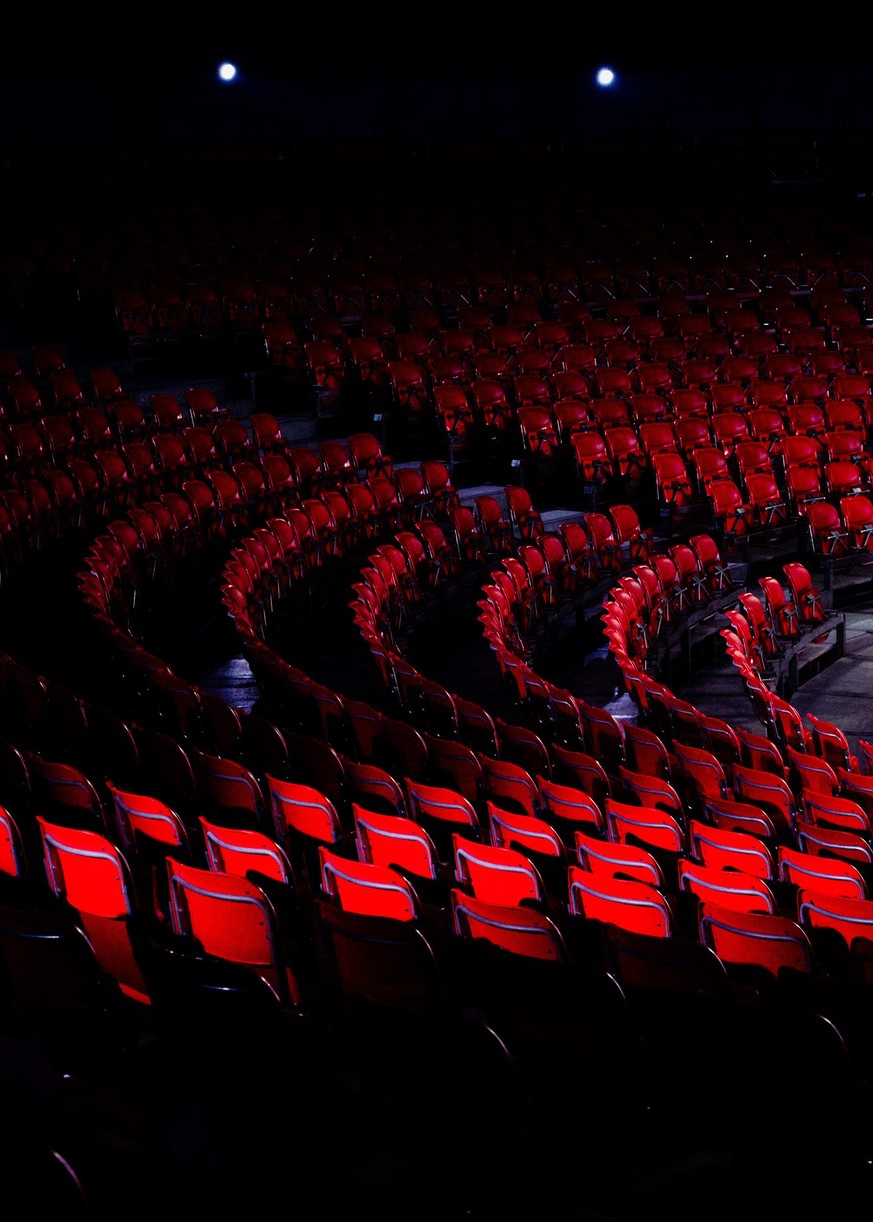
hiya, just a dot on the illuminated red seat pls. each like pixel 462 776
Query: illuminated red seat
pixel 627 903
pixel 231 918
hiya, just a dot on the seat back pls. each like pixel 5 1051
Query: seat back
pixel 651 791
pixel 66 794
pixel 509 783
pixel 501 876
pixel 723 849
pixel 229 916
pixel 725 888
pixel 243 851
pixel 87 870
pixel 302 812
pixel 770 941
pixel 568 809
pixel 231 787
pixel 520 931
pixel 647 825
pixel 366 888
pixel 834 842
pixel 627 861
pixel 529 834
pixel 142 820
pixel 765 789
pixel 377 959
pixel 820 874
pixel 834 811
pixel 391 840
pixel 631 905
pixel 850 918
pixel 733 815
pixel 701 772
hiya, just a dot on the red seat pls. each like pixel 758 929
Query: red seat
pixel 831 532
pixel 726 888
pixel 247 853
pixel 231 918
pixel 517 930
pixel 616 860
pixel 769 507
pixel 367 888
pixel 673 485
pixel 768 940
pixel 88 872
pixel 846 917
pixel 497 875
pixel 627 903
pixel 647 826
pixel 721 849
pixel 592 457
pixel 815 873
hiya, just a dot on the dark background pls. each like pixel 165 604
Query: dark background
pixel 445 70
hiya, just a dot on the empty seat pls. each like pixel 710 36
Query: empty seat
pixel 629 904
pixel 767 940
pixel 231 918
pixel 519 930
pixel 366 887
pixel 89 873
pixel 498 875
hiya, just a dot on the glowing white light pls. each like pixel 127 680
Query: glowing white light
pixel 605 77
pixel 227 71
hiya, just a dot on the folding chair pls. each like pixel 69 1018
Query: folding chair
pixel 717 570
pixel 583 771
pixel 65 794
pixel 374 786
pixel 857 787
pixel 231 789
pixel 651 791
pixel 83 1023
pixel 525 518
pixel 725 888
pixel 856 515
pixel 834 843
pixel 830 743
pixel 806 770
pixel 833 811
pixel 701 775
pixel 455 766
pixel 507 782
pixel 734 815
